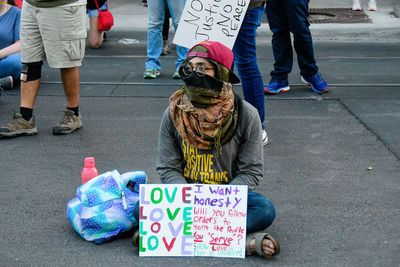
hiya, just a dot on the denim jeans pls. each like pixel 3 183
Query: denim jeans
pixel 11 66
pixel 156 9
pixel 285 16
pixel 260 212
pixel 246 61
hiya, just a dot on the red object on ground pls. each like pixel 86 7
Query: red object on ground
pixel 89 171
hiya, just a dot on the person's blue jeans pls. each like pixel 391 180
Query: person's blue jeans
pixel 285 16
pixel 11 66
pixel 260 212
pixel 156 9
pixel 246 60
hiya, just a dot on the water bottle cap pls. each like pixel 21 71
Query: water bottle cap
pixel 89 162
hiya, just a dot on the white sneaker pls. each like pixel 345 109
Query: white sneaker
pixel 265 137
pixel 356 5
pixel 372 5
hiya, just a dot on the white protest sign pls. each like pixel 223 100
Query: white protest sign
pixel 210 20
pixel 193 220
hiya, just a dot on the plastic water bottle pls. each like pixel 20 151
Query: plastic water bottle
pixel 89 171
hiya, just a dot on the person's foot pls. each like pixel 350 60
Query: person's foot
pixel 265 137
pixel 262 244
pixel 166 48
pixel 276 87
pixel 176 75
pixel 69 123
pixel 135 239
pixel 356 5
pixel 372 5
pixel 6 82
pixel 150 74
pixel 316 82
pixel 267 247
pixel 18 126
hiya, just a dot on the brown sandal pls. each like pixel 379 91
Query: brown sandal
pixel 259 237
pixel 135 239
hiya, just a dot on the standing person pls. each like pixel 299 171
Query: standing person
pixel 54 30
pixel 246 60
pixel 156 10
pixel 371 5
pixel 96 37
pixel 285 16
pixel 10 47
pixel 207 121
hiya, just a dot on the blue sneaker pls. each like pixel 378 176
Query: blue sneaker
pixel 317 83
pixel 276 87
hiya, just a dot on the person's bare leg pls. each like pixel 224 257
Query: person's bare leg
pixel 29 92
pixel 95 36
pixel 70 80
pixel 267 246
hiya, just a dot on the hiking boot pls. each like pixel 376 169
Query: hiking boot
pixel 265 137
pixel 276 87
pixel 176 75
pixel 6 82
pixel 356 5
pixel 166 48
pixel 316 82
pixel 18 126
pixel 372 5
pixel 151 74
pixel 69 123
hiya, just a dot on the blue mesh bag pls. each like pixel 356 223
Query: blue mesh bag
pixel 104 205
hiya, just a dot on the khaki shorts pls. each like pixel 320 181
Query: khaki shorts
pixel 56 33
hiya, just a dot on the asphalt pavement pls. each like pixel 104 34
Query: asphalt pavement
pixel 332 168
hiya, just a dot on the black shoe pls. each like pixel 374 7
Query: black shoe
pixel 6 82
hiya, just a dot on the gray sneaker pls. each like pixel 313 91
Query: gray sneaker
pixel 68 123
pixel 265 137
pixel 18 126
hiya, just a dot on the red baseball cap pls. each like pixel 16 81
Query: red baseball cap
pixel 219 53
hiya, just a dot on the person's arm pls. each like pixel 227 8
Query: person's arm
pixel 169 155
pixel 15 48
pixel 250 159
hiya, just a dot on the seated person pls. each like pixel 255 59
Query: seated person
pixel 205 117
pixel 10 47
pixel 96 37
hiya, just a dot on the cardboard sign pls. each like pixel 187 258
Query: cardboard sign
pixel 193 220
pixel 210 20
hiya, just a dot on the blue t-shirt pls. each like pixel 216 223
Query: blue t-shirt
pixel 9 30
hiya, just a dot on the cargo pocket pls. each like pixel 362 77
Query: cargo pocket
pixel 74 44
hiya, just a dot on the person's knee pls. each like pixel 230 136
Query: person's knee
pixel 94 44
pixel 267 211
pixel 31 71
